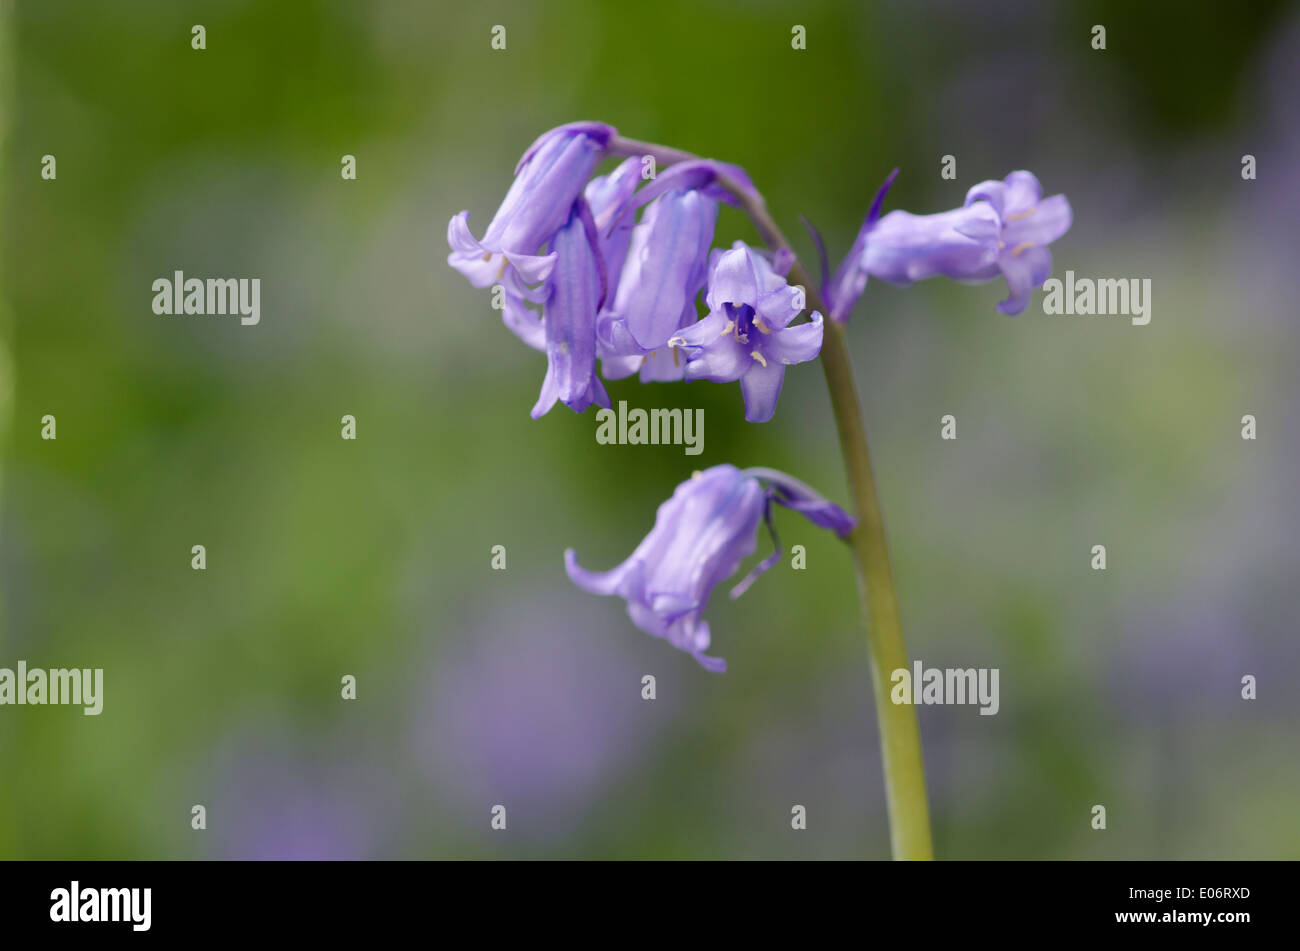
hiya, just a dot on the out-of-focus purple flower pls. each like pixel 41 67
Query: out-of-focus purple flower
pixel 699 539
pixel 574 291
pixel 746 335
pixel 842 291
pixel 1004 228
pixel 549 177
pixel 284 796
pixel 525 704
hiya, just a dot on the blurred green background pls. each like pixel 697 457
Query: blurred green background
pixel 328 557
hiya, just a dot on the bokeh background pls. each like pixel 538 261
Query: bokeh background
pixel 371 558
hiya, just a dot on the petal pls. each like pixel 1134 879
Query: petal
pixel 549 395
pixel 702 332
pixel 670 606
pixel 524 322
pixel 992 191
pixel 714 523
pixel 782 260
pixel 1041 224
pixel 733 279
pixel 692 635
pixel 598 582
pixel 777 308
pixel 532 267
pixel 606 194
pixel 549 178
pixel 665 365
pixel 598 132
pixel 593 395
pixel 979 226
pixel 665 265
pixel 570 316
pixel 1023 272
pixel 714 665
pixel 1023 193
pixel 618 368
pixel 765 272
pixel 722 360
pixel 645 619
pixel 480 267
pixel 797 344
pixel 460 238
pixel 761 385
pixel 514 284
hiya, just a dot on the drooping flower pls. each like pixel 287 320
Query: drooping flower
pixel 606 196
pixel 574 291
pixel 664 272
pixel 549 177
pixel 699 539
pixel 1003 228
pixel 747 335
pixel 665 266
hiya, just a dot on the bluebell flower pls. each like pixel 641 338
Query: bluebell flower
pixel 548 179
pixel 574 291
pixel 666 266
pixel 606 197
pixel 1003 228
pixel 700 537
pixel 664 272
pixel 747 335
pixel 689 192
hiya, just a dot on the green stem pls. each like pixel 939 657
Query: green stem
pixel 900 737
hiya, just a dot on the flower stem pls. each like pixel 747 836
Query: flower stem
pixel 900 737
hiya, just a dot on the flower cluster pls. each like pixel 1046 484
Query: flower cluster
pixel 624 292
